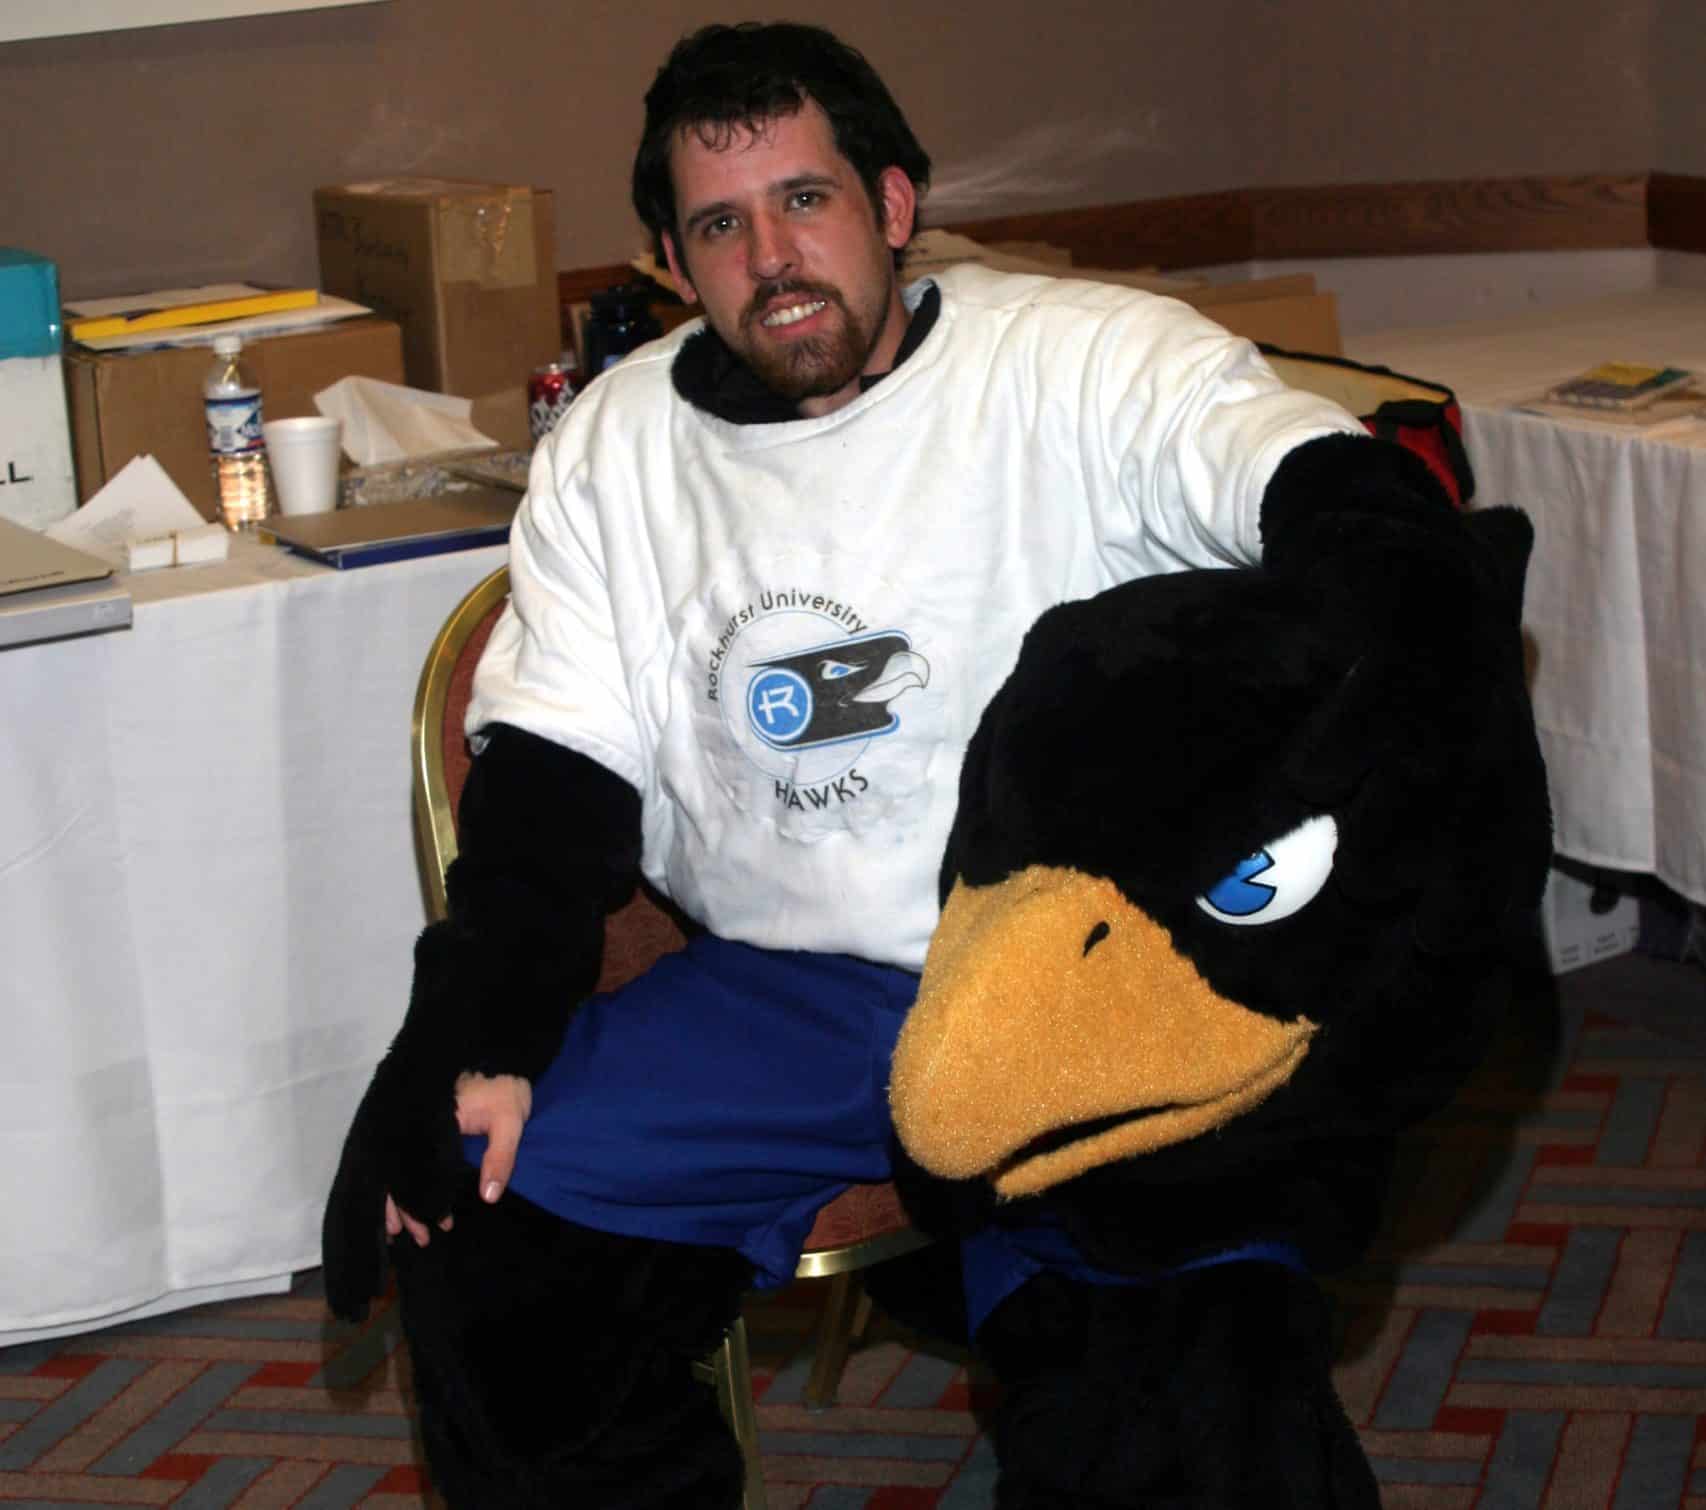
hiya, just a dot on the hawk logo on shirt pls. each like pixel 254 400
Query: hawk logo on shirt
pixel 832 693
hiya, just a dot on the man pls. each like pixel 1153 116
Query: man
pixel 767 574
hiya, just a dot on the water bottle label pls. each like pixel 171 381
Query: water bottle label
pixel 234 424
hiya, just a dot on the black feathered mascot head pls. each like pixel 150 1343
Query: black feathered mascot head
pixel 1227 902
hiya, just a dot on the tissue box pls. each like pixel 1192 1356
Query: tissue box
pixel 467 269
pixel 36 487
pixel 126 404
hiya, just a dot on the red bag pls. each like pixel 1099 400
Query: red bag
pixel 1420 415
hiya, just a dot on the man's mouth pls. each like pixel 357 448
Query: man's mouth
pixel 792 314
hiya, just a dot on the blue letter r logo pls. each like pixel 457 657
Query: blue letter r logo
pixel 779 703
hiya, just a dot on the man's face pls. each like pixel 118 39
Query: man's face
pixel 783 247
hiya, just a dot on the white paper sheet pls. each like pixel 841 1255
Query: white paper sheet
pixel 139 503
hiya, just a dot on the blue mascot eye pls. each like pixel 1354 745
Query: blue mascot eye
pixel 833 671
pixel 1278 880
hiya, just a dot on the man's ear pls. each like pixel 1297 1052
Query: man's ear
pixel 678 270
pixel 899 199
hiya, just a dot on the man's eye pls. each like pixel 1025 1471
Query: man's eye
pixel 805 199
pixel 721 225
pixel 1280 879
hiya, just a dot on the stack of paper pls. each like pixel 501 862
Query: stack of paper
pixel 191 316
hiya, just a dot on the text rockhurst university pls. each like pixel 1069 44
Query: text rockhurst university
pixel 769 602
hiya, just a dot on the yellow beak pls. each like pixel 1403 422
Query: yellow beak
pixel 1048 1000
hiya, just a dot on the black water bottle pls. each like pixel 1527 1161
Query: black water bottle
pixel 621 319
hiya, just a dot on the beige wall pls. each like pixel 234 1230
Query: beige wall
pixel 1351 90
pixel 187 153
pixel 1679 51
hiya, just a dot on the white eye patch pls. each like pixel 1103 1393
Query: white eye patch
pixel 1280 879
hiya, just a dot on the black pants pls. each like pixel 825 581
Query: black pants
pixel 552 1364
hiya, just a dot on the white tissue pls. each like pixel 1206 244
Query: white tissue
pixel 388 422
pixel 206 542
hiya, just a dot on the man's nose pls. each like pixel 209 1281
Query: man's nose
pixel 772 253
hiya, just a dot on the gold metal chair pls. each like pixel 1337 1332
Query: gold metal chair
pixel 862 1227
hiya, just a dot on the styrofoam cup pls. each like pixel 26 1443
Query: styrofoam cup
pixel 304 455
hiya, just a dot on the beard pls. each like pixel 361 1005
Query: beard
pixel 815 366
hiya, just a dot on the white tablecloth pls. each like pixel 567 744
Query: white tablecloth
pixel 1620 523
pixel 208 894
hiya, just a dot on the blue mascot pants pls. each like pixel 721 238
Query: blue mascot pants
pixel 721 1098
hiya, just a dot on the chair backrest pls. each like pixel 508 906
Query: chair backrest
pixel 636 934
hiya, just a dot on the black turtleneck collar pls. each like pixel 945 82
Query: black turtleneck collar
pixel 711 377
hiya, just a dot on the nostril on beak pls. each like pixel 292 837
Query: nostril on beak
pixel 1096 935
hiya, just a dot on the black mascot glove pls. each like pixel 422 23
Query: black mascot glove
pixel 550 845
pixel 1433 597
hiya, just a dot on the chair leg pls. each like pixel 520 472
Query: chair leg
pixel 730 1368
pixel 846 1312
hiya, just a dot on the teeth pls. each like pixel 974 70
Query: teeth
pixel 793 313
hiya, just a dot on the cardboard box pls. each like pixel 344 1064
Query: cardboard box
pixel 1285 311
pixel 468 270
pixel 131 403
pixel 1302 322
pixel 1574 932
pixel 36 486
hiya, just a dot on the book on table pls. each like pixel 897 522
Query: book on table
pixel 1621 386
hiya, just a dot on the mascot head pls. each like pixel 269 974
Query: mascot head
pixel 1206 894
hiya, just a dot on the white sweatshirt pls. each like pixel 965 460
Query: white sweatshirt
pixel 783 634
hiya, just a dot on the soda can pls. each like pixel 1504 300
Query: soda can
pixel 550 391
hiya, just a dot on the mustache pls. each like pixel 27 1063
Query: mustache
pixel 768 293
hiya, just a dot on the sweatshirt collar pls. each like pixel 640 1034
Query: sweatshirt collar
pixel 711 377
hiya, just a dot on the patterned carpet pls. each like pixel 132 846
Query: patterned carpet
pixel 1531 1336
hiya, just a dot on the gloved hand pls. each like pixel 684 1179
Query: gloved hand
pixel 1433 599
pixel 404 1140
pixel 550 846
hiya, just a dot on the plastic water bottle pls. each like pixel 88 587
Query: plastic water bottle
pixel 234 438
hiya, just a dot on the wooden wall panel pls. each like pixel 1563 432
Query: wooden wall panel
pixel 1465 215
pixel 1676 212
pixel 1194 230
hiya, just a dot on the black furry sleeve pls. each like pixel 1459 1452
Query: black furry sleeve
pixel 549 845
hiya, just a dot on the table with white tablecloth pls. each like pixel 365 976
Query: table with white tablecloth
pixel 208 897
pixel 1616 599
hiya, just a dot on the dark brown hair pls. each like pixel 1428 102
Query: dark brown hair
pixel 726 78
